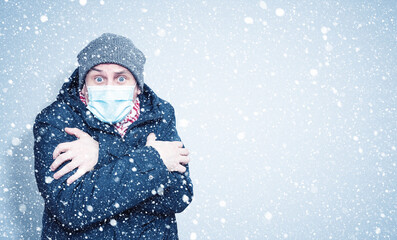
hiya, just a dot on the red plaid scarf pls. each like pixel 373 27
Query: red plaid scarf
pixel 128 120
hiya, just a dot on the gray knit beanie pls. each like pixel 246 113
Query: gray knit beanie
pixel 111 48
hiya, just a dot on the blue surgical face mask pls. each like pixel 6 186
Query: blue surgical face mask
pixel 110 104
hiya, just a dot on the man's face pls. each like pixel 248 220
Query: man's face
pixel 110 74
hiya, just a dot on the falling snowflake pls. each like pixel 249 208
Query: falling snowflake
pixel 193 236
pixel 263 5
pixel 90 208
pixel 268 216
pixel 280 12
pixel 113 222
pixel 241 135
pixel 15 141
pixel 43 18
pixel 313 72
pixel 248 20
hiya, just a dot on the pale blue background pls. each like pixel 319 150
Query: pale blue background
pixel 290 119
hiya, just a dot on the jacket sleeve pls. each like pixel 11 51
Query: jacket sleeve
pixel 179 193
pixel 100 193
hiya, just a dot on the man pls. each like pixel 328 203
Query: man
pixel 108 159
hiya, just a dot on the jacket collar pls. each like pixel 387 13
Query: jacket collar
pixel 69 94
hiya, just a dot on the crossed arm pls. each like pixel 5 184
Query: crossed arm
pixel 83 154
pixel 96 195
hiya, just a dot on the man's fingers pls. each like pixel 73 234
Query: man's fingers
pixel 76 132
pixel 80 172
pixel 184 160
pixel 183 151
pixel 181 169
pixel 63 147
pixel 68 155
pixel 150 138
pixel 178 144
pixel 66 169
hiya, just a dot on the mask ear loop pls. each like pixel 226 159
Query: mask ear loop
pixel 133 94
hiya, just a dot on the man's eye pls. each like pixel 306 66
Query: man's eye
pixel 98 79
pixel 121 79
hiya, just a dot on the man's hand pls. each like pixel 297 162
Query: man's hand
pixel 82 154
pixel 172 153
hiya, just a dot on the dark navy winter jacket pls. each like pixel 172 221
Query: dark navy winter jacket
pixel 129 194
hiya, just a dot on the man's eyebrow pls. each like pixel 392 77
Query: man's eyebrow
pixel 121 72
pixel 95 69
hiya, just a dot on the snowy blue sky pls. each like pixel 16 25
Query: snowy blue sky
pixel 288 108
